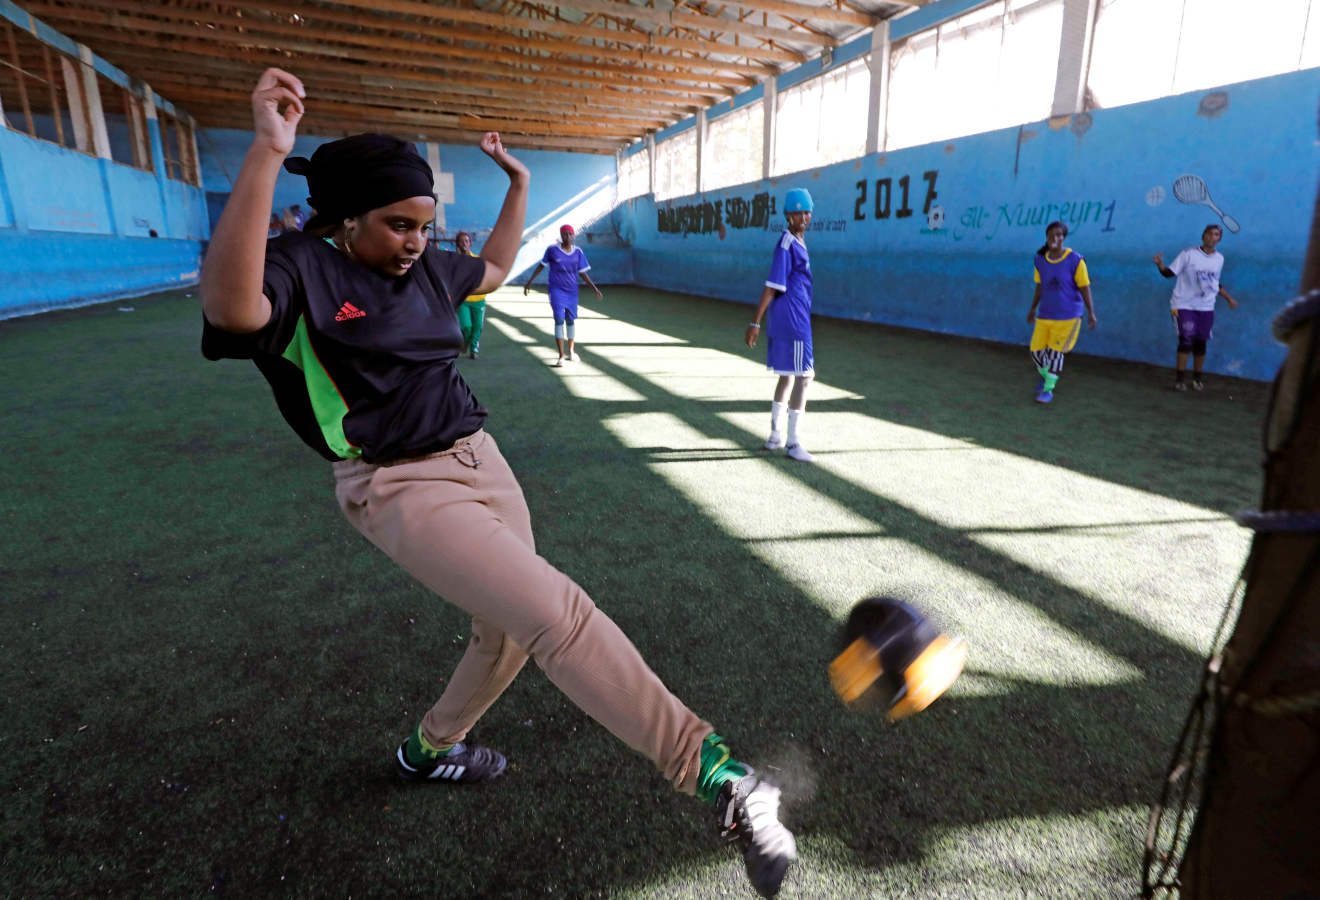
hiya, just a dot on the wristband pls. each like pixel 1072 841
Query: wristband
pixel 753 324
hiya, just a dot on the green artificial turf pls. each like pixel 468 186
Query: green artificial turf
pixel 206 670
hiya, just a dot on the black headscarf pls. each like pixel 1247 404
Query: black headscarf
pixel 366 171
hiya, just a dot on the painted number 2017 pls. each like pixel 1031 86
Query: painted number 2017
pixel 884 196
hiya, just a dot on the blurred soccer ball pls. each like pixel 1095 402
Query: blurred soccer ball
pixel 935 218
pixel 894 657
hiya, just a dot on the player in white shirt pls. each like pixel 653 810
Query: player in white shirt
pixel 1196 272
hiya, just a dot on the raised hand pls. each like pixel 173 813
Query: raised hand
pixel 494 148
pixel 277 107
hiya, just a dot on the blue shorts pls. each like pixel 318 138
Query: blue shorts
pixel 564 312
pixel 789 356
pixel 1194 326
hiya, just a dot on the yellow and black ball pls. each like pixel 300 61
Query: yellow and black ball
pixel 894 657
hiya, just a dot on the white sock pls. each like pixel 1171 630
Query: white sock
pixel 776 412
pixel 794 417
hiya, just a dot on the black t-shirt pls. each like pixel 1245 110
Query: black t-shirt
pixel 362 364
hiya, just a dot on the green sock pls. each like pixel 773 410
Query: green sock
pixel 1044 372
pixel 1050 381
pixel 717 767
pixel 418 751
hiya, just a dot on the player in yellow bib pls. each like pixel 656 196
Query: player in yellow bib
pixel 1063 289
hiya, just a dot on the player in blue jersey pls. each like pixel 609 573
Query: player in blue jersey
pixel 1063 290
pixel 566 263
pixel 786 307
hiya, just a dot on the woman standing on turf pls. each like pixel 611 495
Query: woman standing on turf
pixel 566 263
pixel 353 323
pixel 472 313
pixel 1192 304
pixel 786 307
pixel 1063 290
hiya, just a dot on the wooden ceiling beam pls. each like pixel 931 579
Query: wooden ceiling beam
pixel 698 21
pixel 323 126
pixel 462 121
pixel 806 27
pixel 808 11
pixel 559 26
pixel 152 65
pixel 130 26
pixel 187 51
pixel 106 12
pixel 165 81
pixel 619 126
pixel 507 39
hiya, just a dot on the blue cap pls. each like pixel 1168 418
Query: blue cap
pixel 797 200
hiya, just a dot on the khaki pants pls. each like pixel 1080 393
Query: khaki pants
pixel 457 521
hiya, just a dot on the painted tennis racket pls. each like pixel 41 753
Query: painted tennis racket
pixel 1193 189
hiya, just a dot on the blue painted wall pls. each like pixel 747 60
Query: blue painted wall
pixel 577 188
pixel 75 229
pixel 949 245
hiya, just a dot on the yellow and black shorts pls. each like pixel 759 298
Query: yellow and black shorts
pixel 1055 334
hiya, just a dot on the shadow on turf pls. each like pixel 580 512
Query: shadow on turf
pixel 1042 750
pixel 297 797
pixel 1100 423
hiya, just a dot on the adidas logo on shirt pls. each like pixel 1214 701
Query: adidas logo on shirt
pixel 349 311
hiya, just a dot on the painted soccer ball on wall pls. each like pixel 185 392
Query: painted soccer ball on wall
pixel 935 218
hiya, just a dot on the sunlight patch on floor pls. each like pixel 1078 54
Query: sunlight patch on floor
pixel 1001 858
pixel 1072 537
pixel 580 378
pixel 806 532
pixel 508 331
pixel 710 375
pixel 1128 550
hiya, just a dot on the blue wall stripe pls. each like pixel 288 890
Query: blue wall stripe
pixel 675 129
pixel 930 15
pixel 843 54
pixel 750 95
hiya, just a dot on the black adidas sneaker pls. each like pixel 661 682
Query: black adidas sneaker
pixel 464 763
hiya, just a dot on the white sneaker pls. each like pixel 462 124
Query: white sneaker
pixel 559 363
pixel 775 441
pixel 798 452
pixel 575 358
